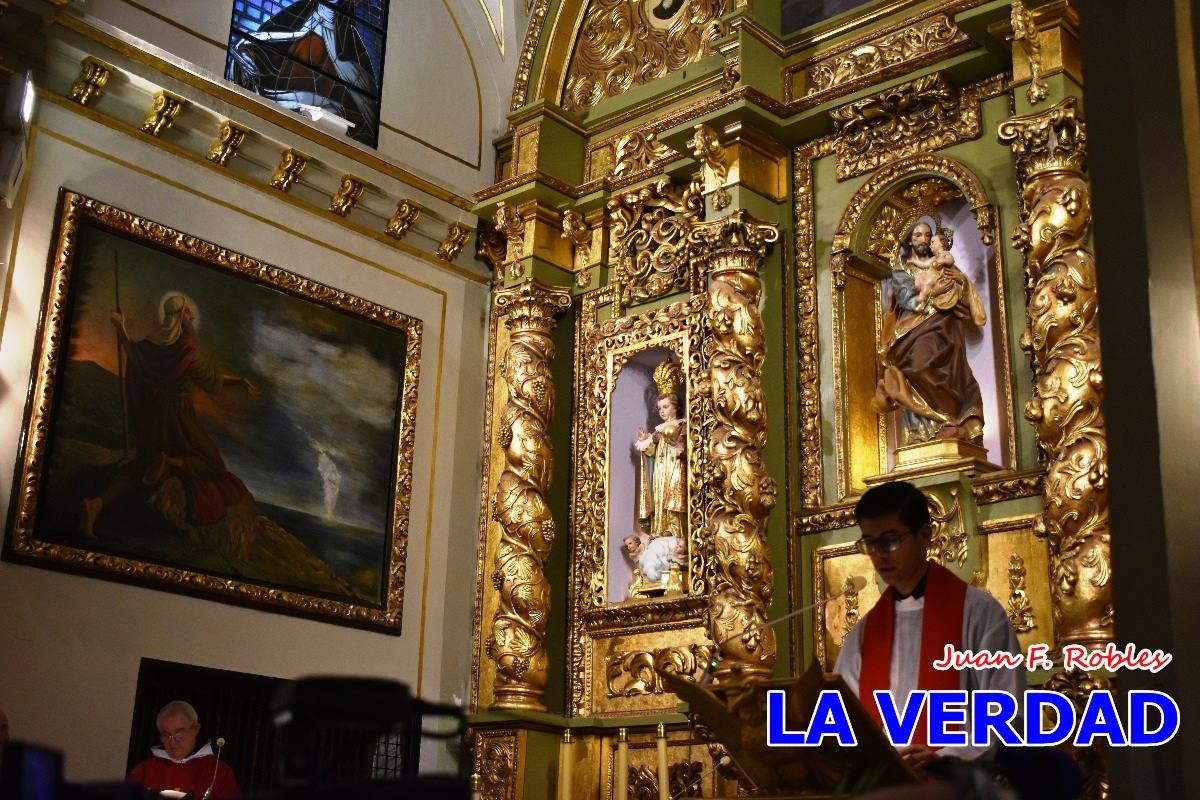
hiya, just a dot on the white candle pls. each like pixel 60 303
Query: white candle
pixel 565 761
pixel 664 776
pixel 621 779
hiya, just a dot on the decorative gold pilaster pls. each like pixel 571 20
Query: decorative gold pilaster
pixel 93 77
pixel 731 250
pixel 162 112
pixel 230 137
pixel 348 193
pixel 291 164
pixel 403 218
pixel 1064 343
pixel 519 503
pixel 456 236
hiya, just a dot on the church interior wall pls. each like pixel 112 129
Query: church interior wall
pixel 72 644
pixel 445 84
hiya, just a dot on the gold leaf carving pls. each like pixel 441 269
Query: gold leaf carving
pixel 162 113
pixel 908 44
pixel 537 19
pixel 349 192
pixel 519 504
pixel 1063 340
pixel 633 673
pixel 496 764
pixel 622 45
pixel 638 151
pixel 1020 612
pixel 291 164
pixel 743 494
pixel 456 236
pixel 230 137
pixel 949 543
pixel 93 77
pixel 648 247
pixel 707 149
pixel 403 218
pixel 1025 33
pixel 920 115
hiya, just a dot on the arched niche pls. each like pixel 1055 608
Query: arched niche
pixel 942 191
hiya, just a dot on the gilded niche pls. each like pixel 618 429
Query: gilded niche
pixel 625 43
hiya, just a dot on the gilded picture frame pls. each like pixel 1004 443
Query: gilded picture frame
pixel 611 636
pixel 222 448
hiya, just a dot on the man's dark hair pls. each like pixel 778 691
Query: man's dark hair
pixel 895 497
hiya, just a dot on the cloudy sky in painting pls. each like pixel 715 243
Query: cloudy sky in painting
pixel 320 438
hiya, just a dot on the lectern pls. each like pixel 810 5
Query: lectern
pixel 735 716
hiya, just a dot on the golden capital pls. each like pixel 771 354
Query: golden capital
pixel 532 306
pixel 736 242
pixel 1053 140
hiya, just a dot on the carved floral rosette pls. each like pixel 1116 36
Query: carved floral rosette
pixel 1064 342
pixel 519 503
pixel 742 494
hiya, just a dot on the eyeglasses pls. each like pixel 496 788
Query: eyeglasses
pixel 177 735
pixel 884 544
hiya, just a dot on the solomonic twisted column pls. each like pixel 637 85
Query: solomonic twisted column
pixel 730 251
pixel 519 505
pixel 1064 342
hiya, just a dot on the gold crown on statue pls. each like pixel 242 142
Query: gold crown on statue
pixel 668 377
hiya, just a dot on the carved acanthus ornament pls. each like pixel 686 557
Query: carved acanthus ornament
pixel 230 138
pixel 684 780
pixel 452 244
pixel 162 113
pixel 714 170
pixel 850 598
pixel 949 543
pixel 537 18
pixel 624 44
pixel 1063 341
pixel 1025 34
pixel 1020 611
pixel 349 192
pixel 510 225
pixel 291 164
pixel 93 77
pixel 917 116
pixel 648 245
pixel 742 493
pixel 638 151
pixel 496 760
pixel 923 37
pixel 403 218
pixel 519 503
pixel 633 673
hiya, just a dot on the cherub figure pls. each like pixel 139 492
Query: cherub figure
pixel 930 276
pixel 654 557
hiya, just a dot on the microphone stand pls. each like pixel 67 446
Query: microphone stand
pixel 216 765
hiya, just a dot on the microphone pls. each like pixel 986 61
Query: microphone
pixel 857 584
pixel 217 763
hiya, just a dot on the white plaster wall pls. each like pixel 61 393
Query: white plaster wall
pixel 70 645
pixel 447 80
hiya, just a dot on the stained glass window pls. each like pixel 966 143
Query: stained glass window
pixel 322 53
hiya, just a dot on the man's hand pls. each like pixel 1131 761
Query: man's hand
pixel 917 756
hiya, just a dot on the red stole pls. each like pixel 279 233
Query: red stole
pixel 941 624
